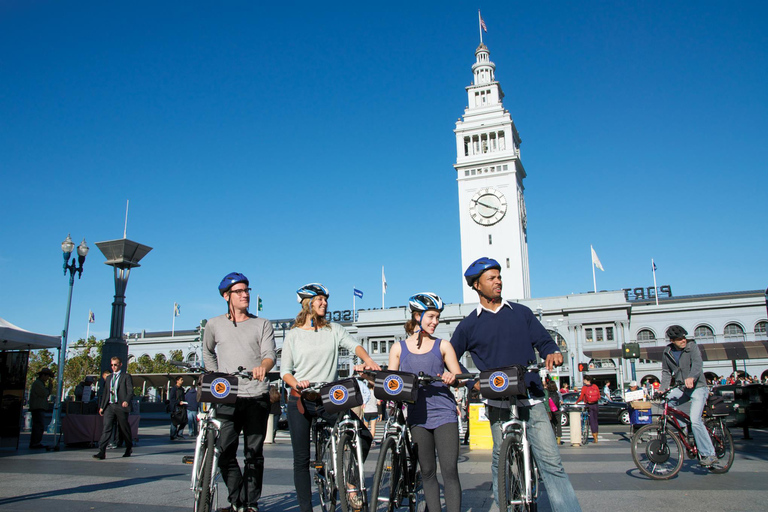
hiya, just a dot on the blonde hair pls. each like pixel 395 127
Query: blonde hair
pixel 306 312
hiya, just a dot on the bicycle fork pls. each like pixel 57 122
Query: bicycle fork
pixel 518 428
pixel 213 427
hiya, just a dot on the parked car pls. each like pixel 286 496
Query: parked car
pixel 607 411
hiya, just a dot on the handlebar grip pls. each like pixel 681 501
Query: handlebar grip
pixel 464 376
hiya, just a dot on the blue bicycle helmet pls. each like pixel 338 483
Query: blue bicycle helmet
pixel 424 301
pixel 477 268
pixel 311 290
pixel 230 280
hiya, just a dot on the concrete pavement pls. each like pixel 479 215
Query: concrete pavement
pixel 154 478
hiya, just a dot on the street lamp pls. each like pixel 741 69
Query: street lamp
pixel 67 246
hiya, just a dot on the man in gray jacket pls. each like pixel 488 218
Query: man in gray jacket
pixel 681 364
pixel 236 339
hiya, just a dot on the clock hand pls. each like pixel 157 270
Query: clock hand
pixel 488 205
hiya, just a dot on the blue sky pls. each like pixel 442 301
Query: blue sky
pixel 305 141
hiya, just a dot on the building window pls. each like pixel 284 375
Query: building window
pixel 374 347
pixel 599 334
pixel 734 332
pixel 704 333
pixel 645 336
pixel 588 335
pixel 761 330
pixel 559 340
pixel 609 334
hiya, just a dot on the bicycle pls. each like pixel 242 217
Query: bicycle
pixel 518 474
pixel 339 444
pixel 205 467
pixel 657 449
pixel 397 474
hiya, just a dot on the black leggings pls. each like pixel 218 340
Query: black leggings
pixel 446 438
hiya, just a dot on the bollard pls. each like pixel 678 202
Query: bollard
pixel 574 423
pixel 269 436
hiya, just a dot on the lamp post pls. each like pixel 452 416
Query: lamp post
pixel 67 246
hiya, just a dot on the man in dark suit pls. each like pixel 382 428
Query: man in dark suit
pixel 114 406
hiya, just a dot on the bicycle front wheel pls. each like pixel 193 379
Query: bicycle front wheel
pixel 512 478
pixel 657 453
pixel 324 475
pixel 584 429
pixel 723 443
pixel 349 480
pixel 386 479
pixel 204 492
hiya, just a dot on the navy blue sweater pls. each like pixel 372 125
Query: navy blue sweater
pixel 504 338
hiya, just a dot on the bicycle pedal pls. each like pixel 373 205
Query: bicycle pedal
pixel 188 459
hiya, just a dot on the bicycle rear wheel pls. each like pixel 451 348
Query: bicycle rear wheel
pixel 657 454
pixel 584 428
pixel 324 474
pixel 723 443
pixel 512 478
pixel 387 479
pixel 204 493
pixel 349 480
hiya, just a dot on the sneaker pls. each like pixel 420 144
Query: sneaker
pixel 708 461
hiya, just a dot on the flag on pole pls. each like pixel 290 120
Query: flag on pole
pixel 91 317
pixel 383 281
pixel 357 293
pixel 653 266
pixel 176 309
pixel 596 260
pixel 482 23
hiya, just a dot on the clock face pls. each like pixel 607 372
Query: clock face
pixel 488 206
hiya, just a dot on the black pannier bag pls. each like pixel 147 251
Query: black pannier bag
pixel 716 406
pixel 341 395
pixel 399 386
pixel 505 382
pixel 218 388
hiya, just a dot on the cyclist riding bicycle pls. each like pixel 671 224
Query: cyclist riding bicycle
pixel 232 340
pixel 681 364
pixel 433 418
pixel 311 354
pixel 501 333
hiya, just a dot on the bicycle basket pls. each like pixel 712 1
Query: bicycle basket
pixel 341 395
pixel 400 386
pixel 716 406
pixel 219 388
pixel 503 382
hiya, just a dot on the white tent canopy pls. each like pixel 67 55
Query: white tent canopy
pixel 16 338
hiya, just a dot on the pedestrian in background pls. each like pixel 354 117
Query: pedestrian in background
pixel 555 407
pixel 590 395
pixel 38 405
pixel 190 397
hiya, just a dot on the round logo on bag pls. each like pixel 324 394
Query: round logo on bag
pixel 498 382
pixel 220 388
pixel 338 395
pixel 393 384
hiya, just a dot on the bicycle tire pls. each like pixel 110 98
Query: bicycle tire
pixel 347 467
pixel 416 500
pixel 204 494
pixel 511 478
pixel 657 456
pixel 387 479
pixel 584 429
pixel 325 481
pixel 723 444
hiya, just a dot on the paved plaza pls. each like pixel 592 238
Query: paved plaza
pixel 154 479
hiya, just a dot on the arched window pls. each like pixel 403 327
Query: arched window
pixel 131 358
pixel 704 333
pixel 192 357
pixel 645 336
pixel 761 330
pixel 734 332
pixel 559 340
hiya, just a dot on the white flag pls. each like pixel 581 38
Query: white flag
pixel 176 309
pixel 596 260
pixel 383 281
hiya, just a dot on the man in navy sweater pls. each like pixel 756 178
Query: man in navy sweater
pixel 497 334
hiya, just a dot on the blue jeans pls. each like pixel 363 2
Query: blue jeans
pixel 692 401
pixel 545 450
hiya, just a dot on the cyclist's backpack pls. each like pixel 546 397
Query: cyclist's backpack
pixel 591 394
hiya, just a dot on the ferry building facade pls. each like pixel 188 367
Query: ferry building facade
pixel 590 328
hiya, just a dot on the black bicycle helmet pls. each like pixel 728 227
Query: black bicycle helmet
pixel 477 268
pixel 424 301
pixel 676 333
pixel 311 290
pixel 230 280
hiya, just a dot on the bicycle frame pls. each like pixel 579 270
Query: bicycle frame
pixel 349 424
pixel 208 422
pixel 519 428
pixel 670 418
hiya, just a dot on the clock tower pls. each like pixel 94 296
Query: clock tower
pixel 490 175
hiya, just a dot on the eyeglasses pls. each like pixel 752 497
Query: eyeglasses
pixel 242 291
pixel 115 364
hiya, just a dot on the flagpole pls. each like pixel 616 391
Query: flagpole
pixel 655 289
pixel 354 316
pixel 480 25
pixel 594 280
pixel 173 320
pixel 88 328
pixel 383 286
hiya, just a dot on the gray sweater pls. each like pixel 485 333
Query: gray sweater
pixel 691 365
pixel 314 355
pixel 227 347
